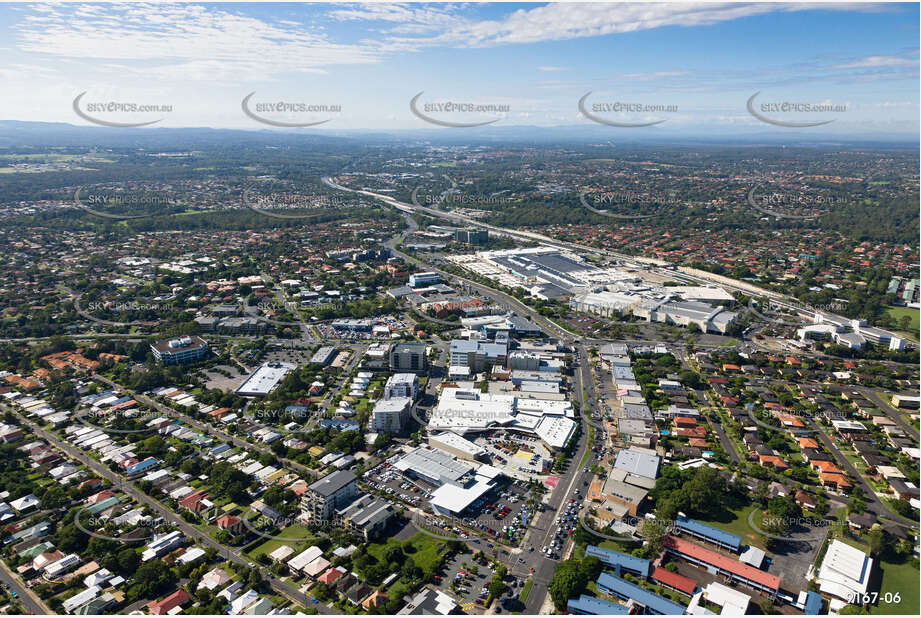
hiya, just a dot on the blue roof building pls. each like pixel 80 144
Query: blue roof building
pixel 813 603
pixel 628 563
pixel 591 606
pixel 142 466
pixel 708 533
pixel 340 425
pixel 653 603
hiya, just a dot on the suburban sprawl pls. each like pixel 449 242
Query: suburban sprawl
pixel 348 383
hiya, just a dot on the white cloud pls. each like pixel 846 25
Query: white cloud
pixel 187 41
pixel 559 21
pixel 879 62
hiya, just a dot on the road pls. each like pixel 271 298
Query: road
pixel 201 426
pixel 543 527
pixel 24 595
pixel 882 511
pixel 889 411
pixel 230 553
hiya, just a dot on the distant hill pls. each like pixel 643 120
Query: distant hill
pixel 15 133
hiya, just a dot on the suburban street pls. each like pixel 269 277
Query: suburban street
pixel 230 553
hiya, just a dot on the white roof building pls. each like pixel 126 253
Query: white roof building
pixel 845 571
pixel 465 410
pixel 451 499
pixel 305 557
pixel 264 380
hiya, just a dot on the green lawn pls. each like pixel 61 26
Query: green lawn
pixel 295 531
pixel 525 590
pixel 428 549
pixel 588 450
pixel 739 526
pixel 898 312
pixel 901 579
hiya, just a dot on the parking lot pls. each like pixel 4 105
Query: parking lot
pixel 503 512
pixel 518 456
pixel 469 581
pixel 215 378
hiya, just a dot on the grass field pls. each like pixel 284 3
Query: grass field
pixel 901 579
pixel 739 526
pixel 295 531
pixel 898 312
pixel 427 549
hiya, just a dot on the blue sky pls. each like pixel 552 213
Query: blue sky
pixel 537 60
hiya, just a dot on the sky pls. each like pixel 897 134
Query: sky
pixel 666 68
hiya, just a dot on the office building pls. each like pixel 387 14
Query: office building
pixel 421 280
pixel 366 517
pixel 472 236
pixel 180 350
pixel 476 354
pixel 328 494
pixel 324 355
pixel 391 415
pixel 402 385
pixel 408 357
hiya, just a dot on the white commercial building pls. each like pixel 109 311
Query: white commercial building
pixel 456 445
pixel 465 411
pixel 265 379
pixel 420 280
pixel 434 466
pixel 391 415
pixel 402 385
pixel 845 571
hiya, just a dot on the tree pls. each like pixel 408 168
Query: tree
pixel 393 554
pixel 496 587
pixel 55 498
pixel 128 560
pixel 592 567
pixel 568 581
pixel 876 540
pixel 654 531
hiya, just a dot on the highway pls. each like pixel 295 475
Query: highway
pixel 658 266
